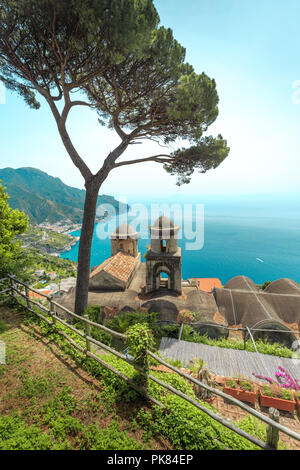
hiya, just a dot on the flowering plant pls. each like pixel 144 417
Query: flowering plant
pixel 283 377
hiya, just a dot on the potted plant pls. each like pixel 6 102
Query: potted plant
pixel 277 397
pixel 242 389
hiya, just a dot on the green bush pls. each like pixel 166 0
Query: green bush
pixel 94 314
pixel 16 435
pixel 122 322
pixel 139 339
pixel 110 438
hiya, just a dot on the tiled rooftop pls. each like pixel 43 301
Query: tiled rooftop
pixel 38 296
pixel 120 266
pixel 207 284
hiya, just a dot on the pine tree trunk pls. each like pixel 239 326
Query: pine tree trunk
pixel 85 244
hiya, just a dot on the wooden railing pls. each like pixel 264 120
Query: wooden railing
pixel 15 291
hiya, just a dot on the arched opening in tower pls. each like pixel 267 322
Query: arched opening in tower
pixel 164 280
pixel 163 245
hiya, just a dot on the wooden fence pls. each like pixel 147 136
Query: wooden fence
pixel 16 289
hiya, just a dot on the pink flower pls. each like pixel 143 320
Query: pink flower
pixel 284 378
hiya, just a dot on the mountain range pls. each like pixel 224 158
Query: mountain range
pixel 45 198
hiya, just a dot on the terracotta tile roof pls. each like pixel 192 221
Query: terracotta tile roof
pixel 207 284
pixel 120 266
pixel 38 296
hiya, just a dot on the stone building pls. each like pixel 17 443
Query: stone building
pixel 163 257
pixel 124 239
pixel 117 272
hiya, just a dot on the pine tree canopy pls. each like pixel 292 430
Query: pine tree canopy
pixel 132 71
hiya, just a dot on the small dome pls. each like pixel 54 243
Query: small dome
pixel 283 286
pixel 163 222
pixel 124 231
pixel 164 228
pixel 241 283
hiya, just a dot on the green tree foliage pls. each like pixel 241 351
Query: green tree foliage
pixel 128 68
pixel 12 223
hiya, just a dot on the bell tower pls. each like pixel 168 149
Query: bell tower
pixel 124 239
pixel 163 258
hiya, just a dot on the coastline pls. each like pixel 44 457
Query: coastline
pixel 76 228
pixel 245 240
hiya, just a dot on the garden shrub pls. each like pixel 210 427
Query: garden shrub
pixel 110 438
pixel 16 435
pixel 94 314
pixel 184 425
pixel 122 322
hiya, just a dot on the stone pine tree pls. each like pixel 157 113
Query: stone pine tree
pixel 125 66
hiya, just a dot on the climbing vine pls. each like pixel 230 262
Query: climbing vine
pixel 139 339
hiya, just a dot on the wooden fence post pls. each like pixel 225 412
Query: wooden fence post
pixel 273 433
pixel 12 285
pixel 27 297
pixel 52 312
pixel 88 333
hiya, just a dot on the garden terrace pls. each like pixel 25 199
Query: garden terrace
pixel 135 375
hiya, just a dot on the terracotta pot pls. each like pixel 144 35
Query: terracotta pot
pixel 239 394
pixel 278 403
pixel 297 405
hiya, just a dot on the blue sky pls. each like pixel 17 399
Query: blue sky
pixel 251 48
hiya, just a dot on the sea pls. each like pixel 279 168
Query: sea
pixel 220 237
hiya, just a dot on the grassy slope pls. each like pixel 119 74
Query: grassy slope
pixel 48 402
pixel 62 407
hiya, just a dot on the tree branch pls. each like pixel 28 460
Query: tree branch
pixel 118 129
pixel 80 103
pixel 162 158
pixel 61 125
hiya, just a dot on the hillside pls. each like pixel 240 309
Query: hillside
pixel 50 403
pixel 43 197
pixel 46 241
pixel 56 398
